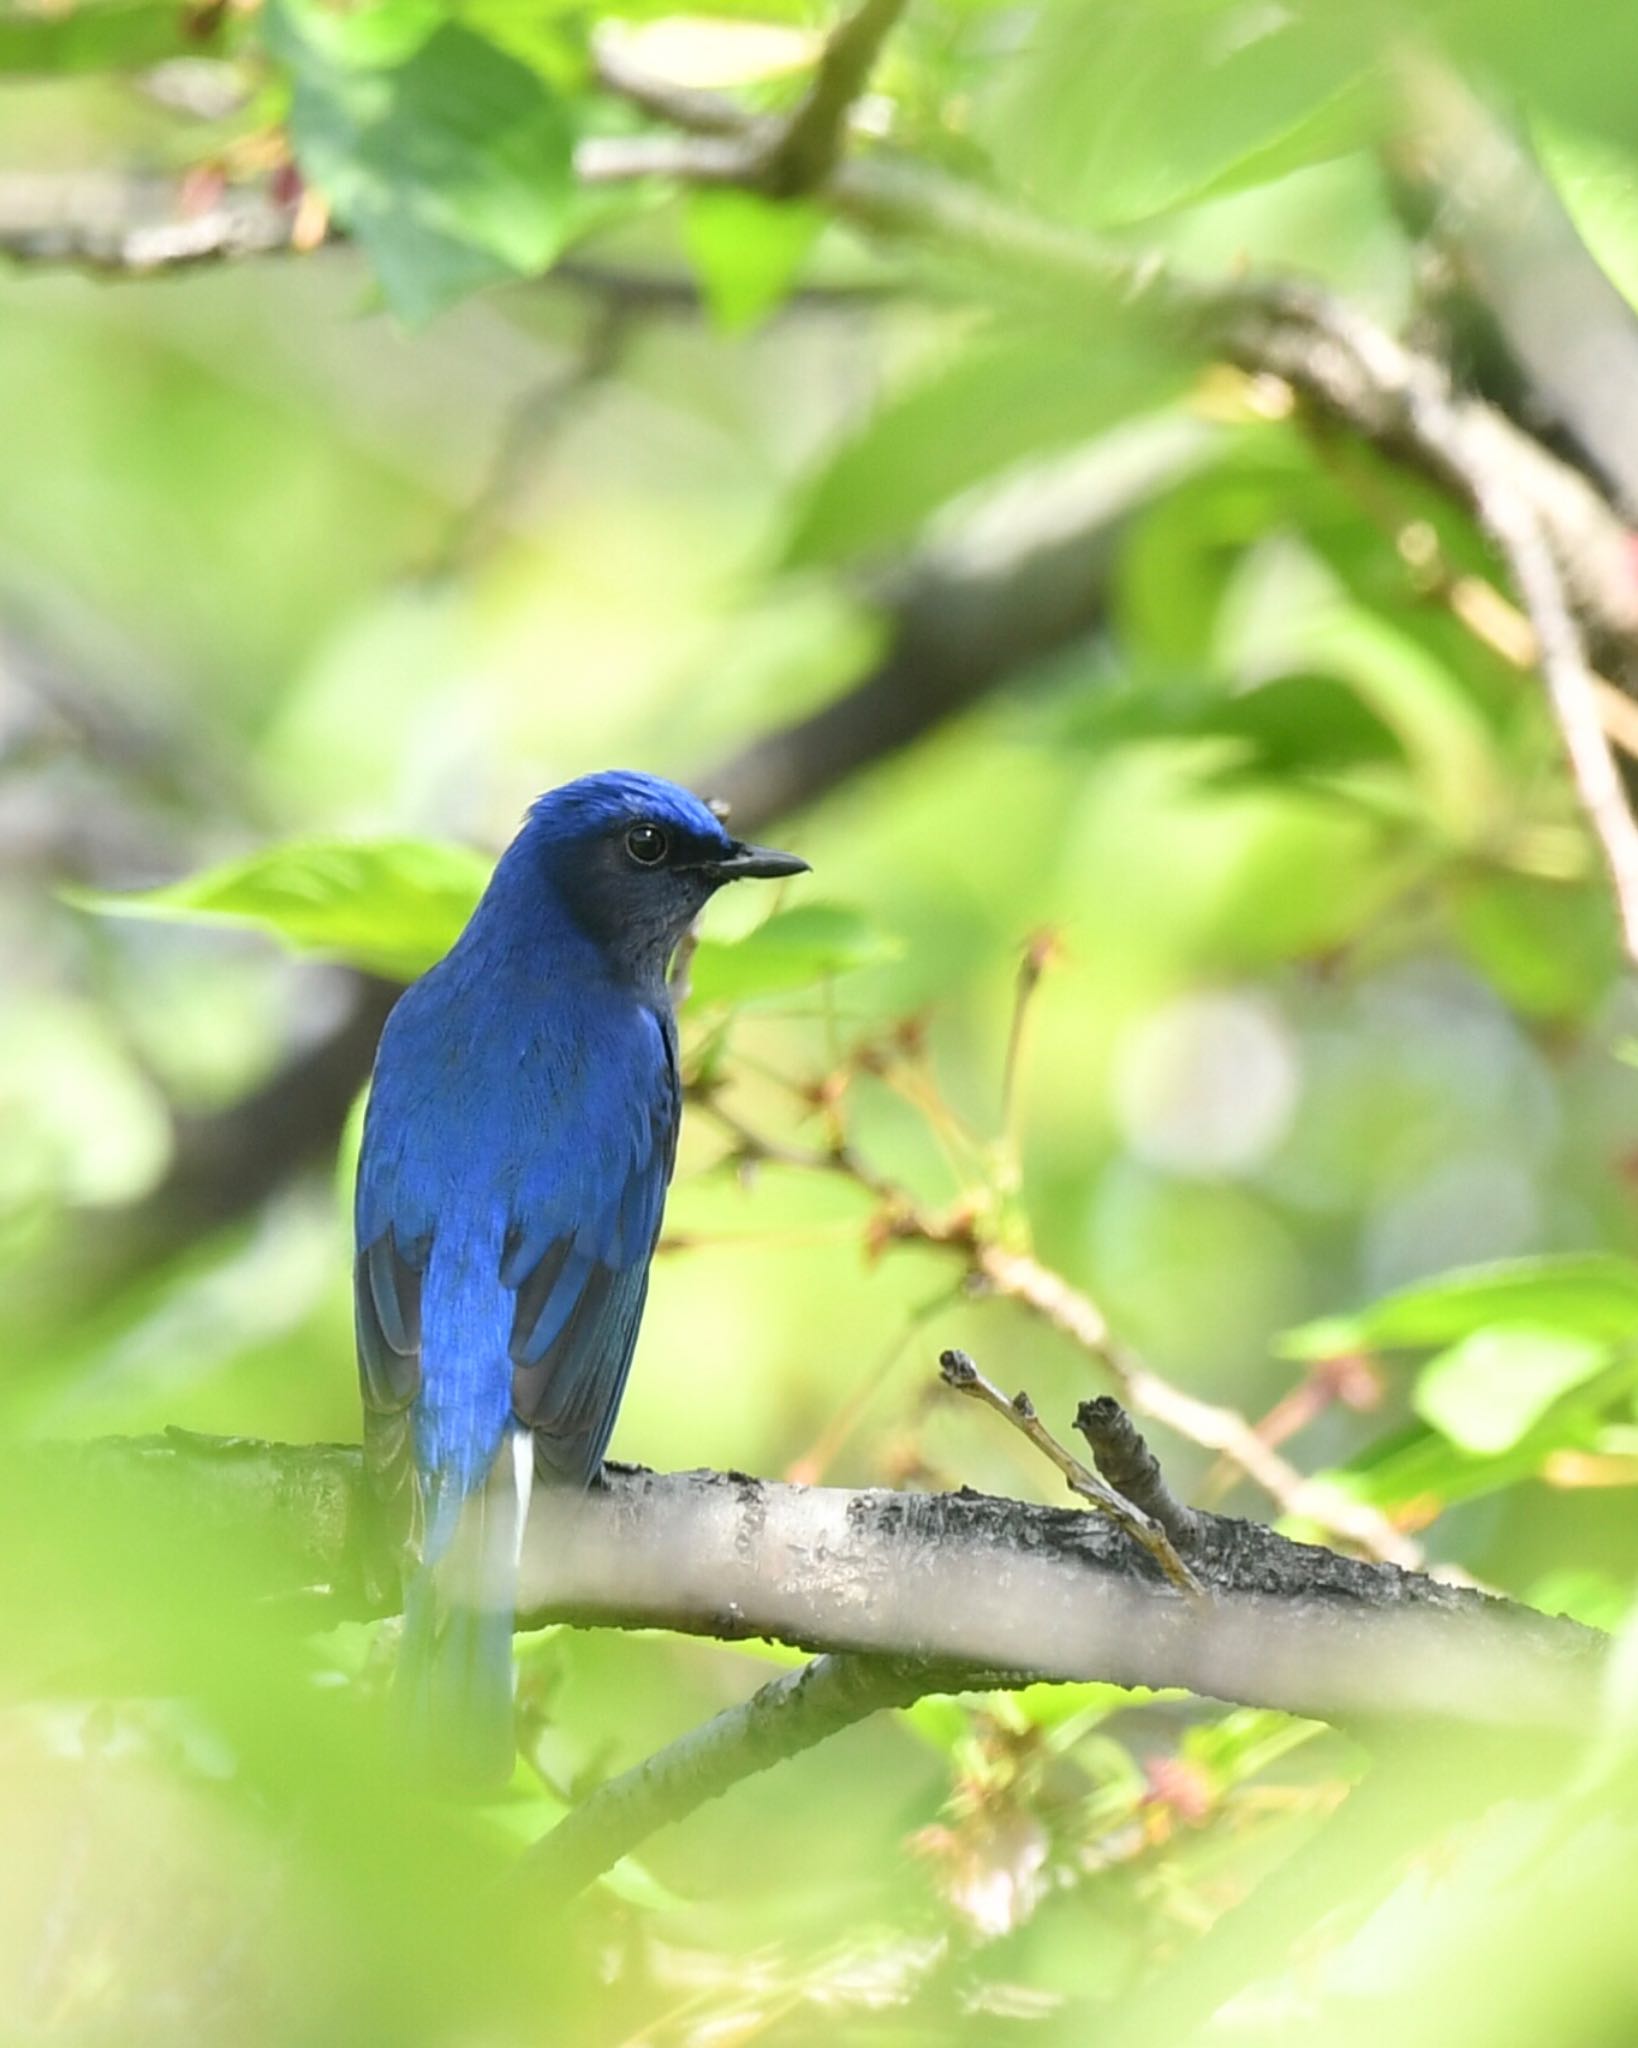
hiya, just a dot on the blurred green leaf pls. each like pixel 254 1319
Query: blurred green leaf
pixel 448 159
pixel 101 35
pixel 393 906
pixel 1421 1468
pixel 793 949
pixel 1591 1295
pixel 1119 112
pixel 990 408
pixel 1490 1387
pixel 747 252
pixel 1550 948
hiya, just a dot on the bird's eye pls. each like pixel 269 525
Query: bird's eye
pixel 647 845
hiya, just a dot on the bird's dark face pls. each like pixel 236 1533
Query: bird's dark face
pixel 635 860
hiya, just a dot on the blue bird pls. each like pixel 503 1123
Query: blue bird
pixel 520 1135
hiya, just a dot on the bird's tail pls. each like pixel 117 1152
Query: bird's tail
pixel 453 1689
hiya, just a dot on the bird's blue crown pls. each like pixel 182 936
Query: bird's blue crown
pixel 590 806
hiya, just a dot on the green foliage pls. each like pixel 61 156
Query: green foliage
pixel 1117 113
pixel 746 253
pixel 998 403
pixel 393 906
pixel 1325 1003
pixel 446 157
pixel 794 949
pixel 102 35
pixel 1594 1296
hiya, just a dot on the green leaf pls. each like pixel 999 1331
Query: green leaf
pixel 1486 1391
pixel 101 35
pixel 747 252
pixel 449 160
pixel 393 906
pixel 992 408
pixel 1119 112
pixel 1421 1466
pixel 1591 1295
pixel 793 949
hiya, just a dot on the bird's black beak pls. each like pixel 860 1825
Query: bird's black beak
pixel 755 863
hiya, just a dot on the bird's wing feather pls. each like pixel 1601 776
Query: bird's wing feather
pixel 584 1212
pixel 581 1286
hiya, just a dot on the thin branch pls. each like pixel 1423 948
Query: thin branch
pixel 127 228
pixel 1572 688
pixel 784 1717
pixel 784 158
pixel 960 1373
pixel 809 146
pixel 1022 1279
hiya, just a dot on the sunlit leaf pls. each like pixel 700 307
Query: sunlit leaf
pixel 747 252
pixel 101 35
pixel 1119 112
pixel 980 415
pixel 448 159
pixel 1489 1388
pixel 393 906
pixel 794 949
pixel 1593 1295
pixel 1418 1471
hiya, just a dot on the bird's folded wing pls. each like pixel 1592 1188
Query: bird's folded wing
pixel 584 1216
pixel 580 1289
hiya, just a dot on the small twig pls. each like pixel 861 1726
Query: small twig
pixel 1038 956
pixel 1126 1461
pixel 810 144
pixel 1572 688
pixel 960 1373
pixel 1049 1295
pixel 721 143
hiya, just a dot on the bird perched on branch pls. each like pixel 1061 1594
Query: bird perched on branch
pixel 520 1134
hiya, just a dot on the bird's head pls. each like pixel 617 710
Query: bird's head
pixel 634 859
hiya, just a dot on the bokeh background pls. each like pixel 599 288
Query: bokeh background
pixel 316 552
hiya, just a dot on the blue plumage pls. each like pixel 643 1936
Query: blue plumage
pixel 519 1139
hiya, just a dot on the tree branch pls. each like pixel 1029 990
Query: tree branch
pixel 961 1374
pixel 954 1579
pixel 789 1714
pixel 1564 545
pixel 131 227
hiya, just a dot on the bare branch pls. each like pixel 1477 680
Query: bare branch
pixel 784 1717
pixel 1572 687
pixel 130 227
pixel 1025 1280
pixel 960 1373
pixel 955 1579
pixel 810 144
pixel 783 158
